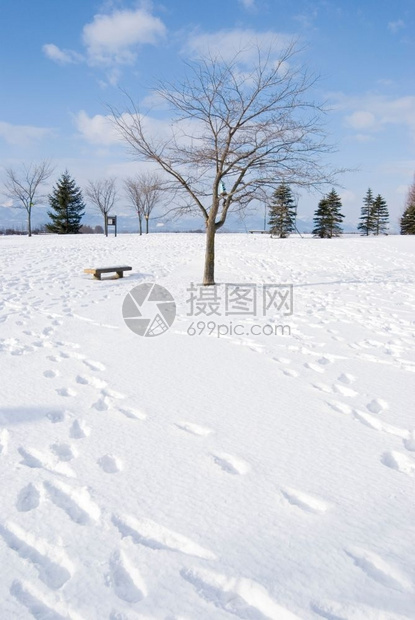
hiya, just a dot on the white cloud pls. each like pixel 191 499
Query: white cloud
pixel 228 43
pixel 363 137
pixel 97 129
pixel 248 4
pixel 394 27
pixel 361 120
pixel 63 57
pixel 375 112
pixel 22 135
pixel 114 38
pixel 100 130
pixel 111 40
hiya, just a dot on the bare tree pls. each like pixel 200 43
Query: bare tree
pixel 23 184
pixel 144 192
pixel 102 194
pixel 237 130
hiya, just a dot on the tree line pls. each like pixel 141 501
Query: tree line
pixel 374 218
pixel 66 201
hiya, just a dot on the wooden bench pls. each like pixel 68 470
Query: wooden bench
pixel 97 272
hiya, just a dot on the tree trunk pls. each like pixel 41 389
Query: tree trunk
pixel 209 274
pixel 146 224
pixel 29 223
pixel 140 226
pixel 105 225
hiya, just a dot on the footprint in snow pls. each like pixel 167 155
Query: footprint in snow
pixel 28 498
pixel 377 405
pixel 79 430
pixel 155 536
pixel 324 361
pixel 399 461
pixel 289 372
pixel 194 429
pixel 133 414
pixel 332 610
pixel 241 597
pixel 110 464
pixel 56 416
pixel 323 387
pixel 409 442
pixel 66 392
pixel 75 502
pixel 343 390
pixel 306 502
pixel 51 374
pixel 340 407
pixel 51 564
pixel 63 451
pixel 315 367
pixel 346 378
pixel 93 381
pixel 231 464
pixel 36 603
pixel 125 578
pixel 378 569
pixel 94 365
pixel 39 460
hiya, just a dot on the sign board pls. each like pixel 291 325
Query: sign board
pixel 112 221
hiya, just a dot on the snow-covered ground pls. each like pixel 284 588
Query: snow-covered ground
pixel 201 477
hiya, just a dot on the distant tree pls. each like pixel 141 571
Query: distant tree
pixel 98 230
pixel 86 230
pixel 144 192
pixel 102 195
pixel 134 197
pixel 23 186
pixel 379 216
pixel 328 218
pixel 282 212
pixel 67 205
pixel 408 217
pixel 366 218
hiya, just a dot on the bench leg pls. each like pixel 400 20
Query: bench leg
pixel 97 276
pixel 120 274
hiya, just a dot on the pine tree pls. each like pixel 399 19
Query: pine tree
pixel 379 215
pixel 282 212
pixel 366 219
pixel 408 217
pixel 68 207
pixel 328 218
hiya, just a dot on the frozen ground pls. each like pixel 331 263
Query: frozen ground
pixel 195 477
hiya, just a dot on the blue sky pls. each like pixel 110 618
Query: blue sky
pixel 63 63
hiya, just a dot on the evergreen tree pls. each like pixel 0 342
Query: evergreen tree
pixel 68 207
pixel 379 216
pixel 408 217
pixel 366 220
pixel 328 218
pixel 282 212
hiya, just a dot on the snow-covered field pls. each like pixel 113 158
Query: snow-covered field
pixel 196 477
